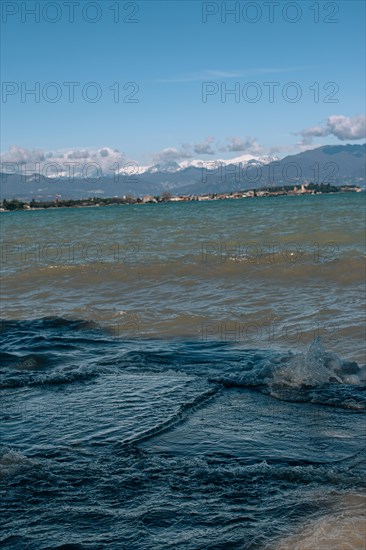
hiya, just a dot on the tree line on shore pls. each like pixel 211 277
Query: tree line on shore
pixel 16 204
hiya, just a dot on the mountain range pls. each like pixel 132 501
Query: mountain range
pixel 334 164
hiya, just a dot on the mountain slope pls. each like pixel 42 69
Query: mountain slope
pixel 334 164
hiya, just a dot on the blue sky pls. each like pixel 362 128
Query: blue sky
pixel 169 53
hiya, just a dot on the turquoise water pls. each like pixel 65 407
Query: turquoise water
pixel 185 375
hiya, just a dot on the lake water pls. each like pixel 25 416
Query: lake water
pixel 185 375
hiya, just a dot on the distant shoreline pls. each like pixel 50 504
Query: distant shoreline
pixel 94 202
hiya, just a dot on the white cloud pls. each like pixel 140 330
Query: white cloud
pixel 57 163
pixel 19 155
pixel 74 155
pixel 347 127
pixel 342 127
pixel 172 154
pixel 185 151
pixel 205 148
pixel 219 74
pixel 247 145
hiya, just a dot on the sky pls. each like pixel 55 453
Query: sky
pixel 150 81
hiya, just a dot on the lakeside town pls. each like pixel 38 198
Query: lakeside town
pixel 289 190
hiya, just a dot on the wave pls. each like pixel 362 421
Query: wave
pixel 59 351
pixel 64 375
pixel 347 267
pixel 251 503
pixel 317 376
pixel 339 528
pixel 179 417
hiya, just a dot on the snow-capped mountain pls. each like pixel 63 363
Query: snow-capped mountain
pixel 172 167
pixel 214 164
pixel 169 167
pixel 90 169
pixel 337 164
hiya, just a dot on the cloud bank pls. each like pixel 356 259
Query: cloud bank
pixel 108 161
pixel 59 163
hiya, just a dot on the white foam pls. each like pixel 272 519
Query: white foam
pixel 315 368
pixel 344 529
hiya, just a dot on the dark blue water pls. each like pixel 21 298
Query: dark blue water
pixel 134 444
